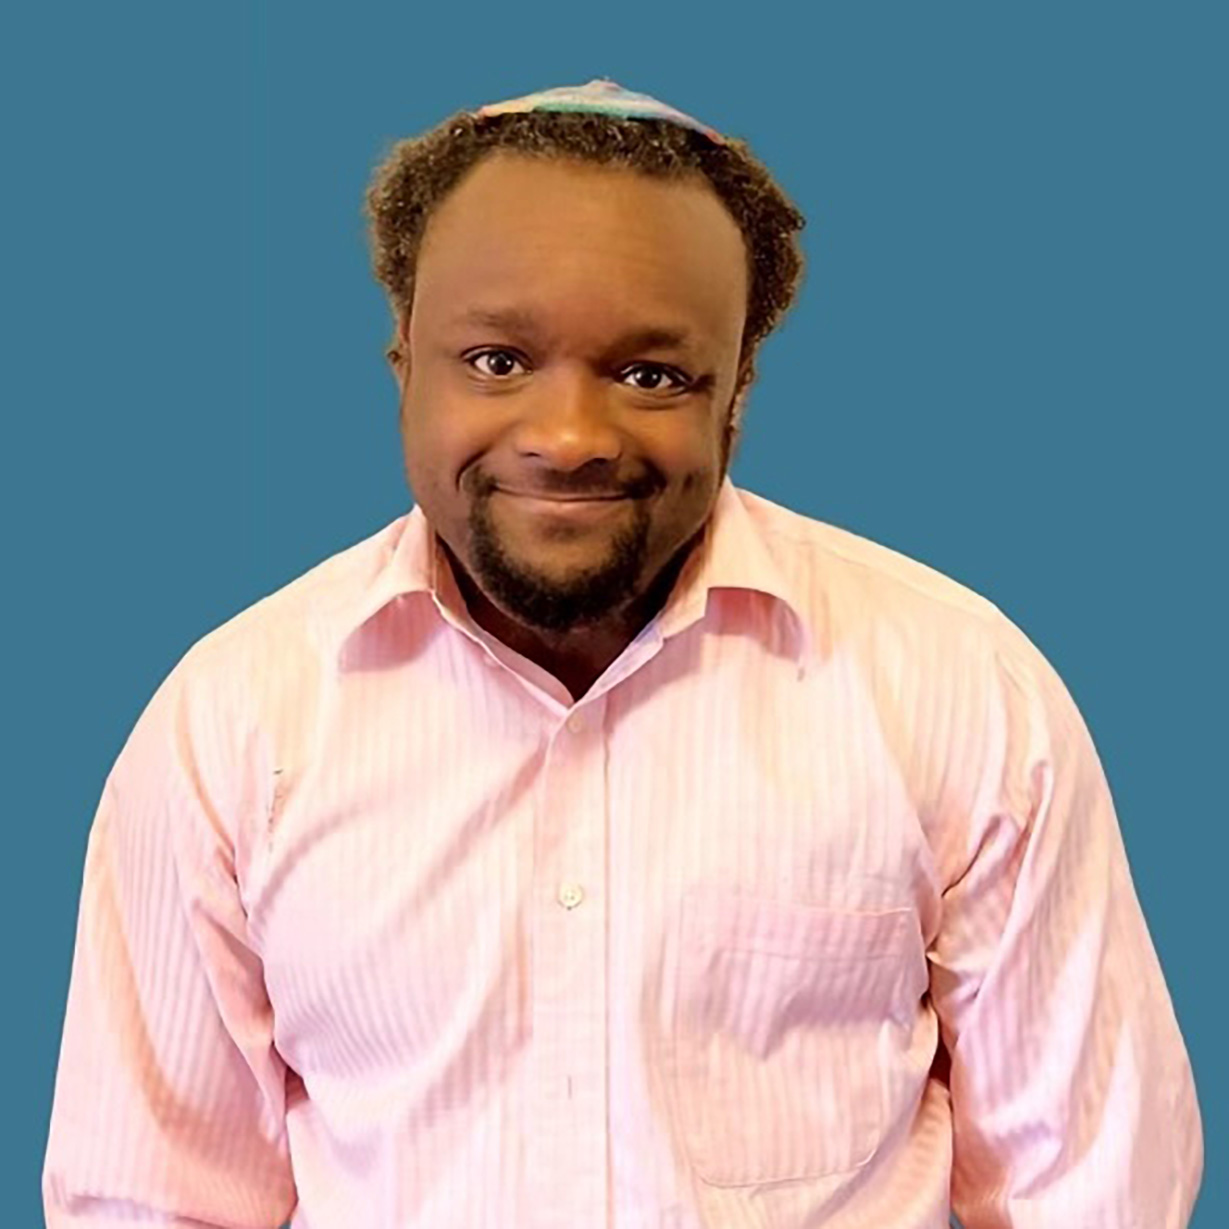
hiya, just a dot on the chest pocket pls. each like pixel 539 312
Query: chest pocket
pixel 782 1017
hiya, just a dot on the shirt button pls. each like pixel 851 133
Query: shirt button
pixel 570 895
pixel 576 723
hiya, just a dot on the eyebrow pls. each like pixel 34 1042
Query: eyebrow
pixel 518 321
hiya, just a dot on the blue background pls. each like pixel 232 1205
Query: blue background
pixel 1008 362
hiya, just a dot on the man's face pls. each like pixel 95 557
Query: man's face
pixel 575 332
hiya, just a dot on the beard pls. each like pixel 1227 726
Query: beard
pixel 553 604
pixel 589 595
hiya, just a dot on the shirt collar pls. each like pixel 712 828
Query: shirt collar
pixel 732 555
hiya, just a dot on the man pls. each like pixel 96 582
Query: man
pixel 600 844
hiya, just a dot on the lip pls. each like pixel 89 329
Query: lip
pixel 567 507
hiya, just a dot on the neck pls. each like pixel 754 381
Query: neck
pixel 579 656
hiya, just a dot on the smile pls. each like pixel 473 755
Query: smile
pixel 563 507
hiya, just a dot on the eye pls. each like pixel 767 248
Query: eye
pixel 650 377
pixel 495 363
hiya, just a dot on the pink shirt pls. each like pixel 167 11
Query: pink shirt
pixel 378 928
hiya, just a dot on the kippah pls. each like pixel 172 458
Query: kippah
pixel 603 96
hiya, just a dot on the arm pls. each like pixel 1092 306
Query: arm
pixel 169 1095
pixel 1072 1095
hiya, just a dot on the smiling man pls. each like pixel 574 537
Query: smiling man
pixel 567 367
pixel 601 844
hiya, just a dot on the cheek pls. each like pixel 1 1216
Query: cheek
pixel 693 457
pixel 437 437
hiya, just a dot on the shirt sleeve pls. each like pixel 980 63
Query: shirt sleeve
pixel 169 1096
pixel 1072 1094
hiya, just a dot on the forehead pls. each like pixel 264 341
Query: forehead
pixel 547 235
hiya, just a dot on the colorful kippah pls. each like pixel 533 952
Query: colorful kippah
pixel 604 96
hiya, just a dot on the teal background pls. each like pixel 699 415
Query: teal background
pixel 1008 362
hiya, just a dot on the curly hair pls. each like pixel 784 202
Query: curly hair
pixel 420 172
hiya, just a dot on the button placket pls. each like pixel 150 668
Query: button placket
pixel 567 1150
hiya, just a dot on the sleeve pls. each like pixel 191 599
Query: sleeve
pixel 1073 1100
pixel 169 1096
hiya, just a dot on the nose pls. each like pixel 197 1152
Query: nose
pixel 569 420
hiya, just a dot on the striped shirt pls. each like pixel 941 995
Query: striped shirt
pixel 814 910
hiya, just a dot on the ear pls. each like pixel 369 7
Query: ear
pixel 742 386
pixel 398 352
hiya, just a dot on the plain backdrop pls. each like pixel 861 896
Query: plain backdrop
pixel 1008 362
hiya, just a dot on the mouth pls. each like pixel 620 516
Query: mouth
pixel 565 507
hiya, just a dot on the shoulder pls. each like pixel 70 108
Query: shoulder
pixel 854 591
pixel 817 554
pixel 297 617
pixel 265 661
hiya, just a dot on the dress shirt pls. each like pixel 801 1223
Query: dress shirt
pixel 813 911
